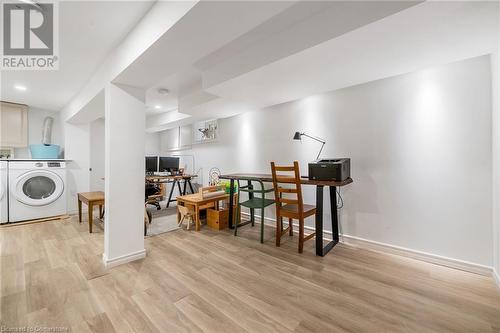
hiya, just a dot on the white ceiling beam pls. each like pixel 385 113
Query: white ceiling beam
pixel 207 27
pixel 302 26
pixel 162 17
pixel 164 121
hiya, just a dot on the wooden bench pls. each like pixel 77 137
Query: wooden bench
pixel 91 199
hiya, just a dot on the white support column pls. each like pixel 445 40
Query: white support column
pixel 495 78
pixel 124 177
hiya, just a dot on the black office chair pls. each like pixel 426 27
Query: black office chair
pixel 152 190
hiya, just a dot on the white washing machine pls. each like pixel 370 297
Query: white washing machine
pixel 4 206
pixel 37 190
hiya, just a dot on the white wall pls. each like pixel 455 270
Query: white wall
pixel 176 142
pixel 86 150
pixel 35 122
pixel 97 155
pixel 420 146
pixel 97 152
pixel 152 147
pixel 77 149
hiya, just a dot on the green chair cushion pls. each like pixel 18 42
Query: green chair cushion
pixel 256 203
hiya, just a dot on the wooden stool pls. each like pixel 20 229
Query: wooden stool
pixel 186 213
pixel 91 199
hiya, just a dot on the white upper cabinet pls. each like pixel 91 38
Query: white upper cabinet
pixel 186 136
pixel 178 138
pixel 13 125
pixel 170 139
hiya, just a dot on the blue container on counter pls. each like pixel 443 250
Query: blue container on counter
pixel 44 152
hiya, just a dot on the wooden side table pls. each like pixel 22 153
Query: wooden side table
pixel 197 203
pixel 91 199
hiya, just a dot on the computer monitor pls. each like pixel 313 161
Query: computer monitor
pixel 151 164
pixel 169 164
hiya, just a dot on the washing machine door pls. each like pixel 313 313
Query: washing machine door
pixel 38 188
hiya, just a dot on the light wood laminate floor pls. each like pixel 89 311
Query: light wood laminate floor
pixel 51 275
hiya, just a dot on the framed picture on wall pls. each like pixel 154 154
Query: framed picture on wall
pixel 205 131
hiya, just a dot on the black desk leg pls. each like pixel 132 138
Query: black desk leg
pixel 320 250
pixel 171 192
pixel 252 210
pixel 231 203
pixel 190 185
pixel 179 186
pixel 319 220
pixel 184 189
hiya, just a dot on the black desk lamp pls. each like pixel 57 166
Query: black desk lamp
pixel 298 136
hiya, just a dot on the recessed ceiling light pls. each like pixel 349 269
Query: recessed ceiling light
pixel 157 107
pixel 20 87
pixel 163 91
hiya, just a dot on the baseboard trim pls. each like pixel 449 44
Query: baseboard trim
pixel 109 263
pixel 419 255
pixel 84 211
pixel 400 251
pixel 496 276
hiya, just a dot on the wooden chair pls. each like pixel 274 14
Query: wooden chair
pixel 293 208
pixel 186 213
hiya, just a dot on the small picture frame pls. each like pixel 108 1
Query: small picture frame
pixel 6 153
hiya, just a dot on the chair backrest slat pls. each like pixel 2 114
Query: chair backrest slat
pixel 289 201
pixel 284 168
pixel 287 175
pixel 287 190
pixel 285 179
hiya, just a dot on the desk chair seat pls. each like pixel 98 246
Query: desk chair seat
pixel 292 210
pixel 257 203
pixel 253 202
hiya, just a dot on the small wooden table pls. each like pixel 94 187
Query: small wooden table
pixel 91 199
pixel 197 202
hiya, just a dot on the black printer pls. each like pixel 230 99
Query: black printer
pixel 338 169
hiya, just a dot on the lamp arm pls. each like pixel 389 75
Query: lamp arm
pixel 322 145
pixel 314 138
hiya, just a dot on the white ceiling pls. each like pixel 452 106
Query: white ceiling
pixel 217 41
pixel 425 35
pixel 88 31
pixel 282 64
pixel 227 57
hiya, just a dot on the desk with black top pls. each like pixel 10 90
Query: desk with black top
pixel 320 184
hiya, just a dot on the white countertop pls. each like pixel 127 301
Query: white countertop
pixel 33 159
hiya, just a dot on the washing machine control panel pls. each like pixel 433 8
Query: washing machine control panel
pixel 54 164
